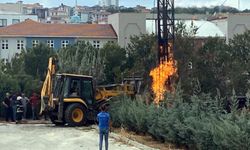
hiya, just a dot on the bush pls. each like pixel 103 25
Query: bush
pixel 199 124
pixel 7 85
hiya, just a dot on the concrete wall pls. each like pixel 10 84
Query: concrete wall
pixel 127 25
pixel 21 17
pixel 12 47
pixel 234 24
pixel 238 24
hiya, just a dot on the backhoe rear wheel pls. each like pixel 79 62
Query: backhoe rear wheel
pixel 75 115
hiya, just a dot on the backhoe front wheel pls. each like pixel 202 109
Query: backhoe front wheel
pixel 75 115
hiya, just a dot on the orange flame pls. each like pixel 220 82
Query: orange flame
pixel 160 76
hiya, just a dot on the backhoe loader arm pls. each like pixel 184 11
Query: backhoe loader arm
pixel 46 92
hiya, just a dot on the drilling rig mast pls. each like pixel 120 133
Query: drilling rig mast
pixel 165 22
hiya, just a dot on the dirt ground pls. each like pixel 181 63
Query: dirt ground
pixel 49 137
pixel 145 140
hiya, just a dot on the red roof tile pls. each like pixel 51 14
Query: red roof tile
pixel 30 28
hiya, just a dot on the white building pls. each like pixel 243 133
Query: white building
pixel 11 46
pixel 9 18
pixel 29 34
pixel 12 7
pixel 108 3
pixel 204 28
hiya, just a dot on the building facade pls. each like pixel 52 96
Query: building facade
pixel 9 18
pixel 29 34
pixel 109 3
pixel 12 7
pixel 31 8
pixel 60 14
pixel 127 25
pixel 232 24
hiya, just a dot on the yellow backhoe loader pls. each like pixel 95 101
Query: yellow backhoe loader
pixel 72 99
pixel 69 98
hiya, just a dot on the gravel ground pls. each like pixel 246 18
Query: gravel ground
pixel 49 137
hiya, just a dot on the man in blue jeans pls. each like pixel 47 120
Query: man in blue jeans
pixel 103 118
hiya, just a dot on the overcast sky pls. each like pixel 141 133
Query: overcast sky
pixel 244 4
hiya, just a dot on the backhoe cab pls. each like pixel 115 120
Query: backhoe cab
pixel 69 98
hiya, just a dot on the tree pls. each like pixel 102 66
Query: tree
pixel 240 52
pixel 81 58
pixel 212 66
pixel 36 60
pixel 185 55
pixel 224 67
pixel 142 55
pixel 114 60
pixel 26 69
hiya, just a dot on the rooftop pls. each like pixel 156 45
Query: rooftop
pixel 30 28
pixel 205 28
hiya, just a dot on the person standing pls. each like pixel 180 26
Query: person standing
pixel 25 102
pixel 104 120
pixel 13 105
pixel 19 109
pixel 34 104
pixel 8 108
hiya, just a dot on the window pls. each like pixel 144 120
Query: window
pixel 74 90
pixel 35 43
pixel 14 21
pixel 3 22
pixel 65 43
pixel 80 42
pixel 96 44
pixel 87 91
pixel 5 44
pixel 50 43
pixel 20 44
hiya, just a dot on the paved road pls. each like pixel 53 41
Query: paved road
pixel 49 137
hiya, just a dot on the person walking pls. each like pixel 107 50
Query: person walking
pixel 34 99
pixel 25 102
pixel 8 108
pixel 104 120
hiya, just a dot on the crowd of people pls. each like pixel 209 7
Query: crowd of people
pixel 17 105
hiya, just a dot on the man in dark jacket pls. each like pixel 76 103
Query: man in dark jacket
pixel 8 108
pixel 13 105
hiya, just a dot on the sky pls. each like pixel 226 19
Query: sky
pixel 244 4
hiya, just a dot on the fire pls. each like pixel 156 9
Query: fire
pixel 160 77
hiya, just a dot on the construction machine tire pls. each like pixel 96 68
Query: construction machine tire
pixel 75 115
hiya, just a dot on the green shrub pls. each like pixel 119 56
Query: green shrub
pixel 199 123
